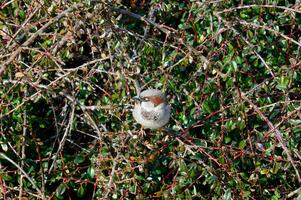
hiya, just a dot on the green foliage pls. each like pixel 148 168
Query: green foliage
pixel 230 69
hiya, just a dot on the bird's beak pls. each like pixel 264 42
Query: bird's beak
pixel 137 98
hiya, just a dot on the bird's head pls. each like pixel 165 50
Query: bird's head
pixel 153 96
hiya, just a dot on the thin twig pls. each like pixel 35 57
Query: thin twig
pixel 276 131
pixel 144 19
pixel 47 87
pixel 24 173
pixel 87 63
pixel 66 133
pixel 248 43
pixel 269 29
pixel 261 6
pixel 35 35
pixel 23 148
pixel 291 194
pixel 162 28
pixel 109 185
pixel 9 46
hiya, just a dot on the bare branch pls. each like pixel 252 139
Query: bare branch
pixel 278 134
pixel 33 37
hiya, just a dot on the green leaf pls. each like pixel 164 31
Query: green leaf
pixel 265 171
pixel 242 144
pixel 283 83
pixel 22 14
pixel 91 172
pixel 227 139
pixel 227 195
pixel 6 177
pixel 81 191
pixel 219 38
pixel 230 125
pixel 132 189
pixel 79 159
pixel 206 107
pixel 276 168
pixel 247 193
pixel 60 189
pixel 234 65
pixel 4 147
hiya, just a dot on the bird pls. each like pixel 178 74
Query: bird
pixel 151 109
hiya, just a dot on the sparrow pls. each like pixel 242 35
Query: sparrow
pixel 151 109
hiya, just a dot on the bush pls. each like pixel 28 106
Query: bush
pixel 231 71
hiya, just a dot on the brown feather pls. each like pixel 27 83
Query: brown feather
pixel 156 100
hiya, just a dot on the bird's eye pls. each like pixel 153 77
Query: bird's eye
pixel 145 99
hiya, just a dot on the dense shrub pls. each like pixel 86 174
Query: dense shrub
pixel 231 70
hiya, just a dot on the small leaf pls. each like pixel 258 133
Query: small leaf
pixel 275 168
pixel 6 177
pixel 81 191
pixel 283 83
pixel 132 189
pixel 265 171
pixel 4 147
pixel 79 159
pixel 206 107
pixel 230 125
pixel 227 195
pixel 242 144
pixel 234 65
pixel 219 38
pixel 91 171
pixel 227 140
pixel 60 189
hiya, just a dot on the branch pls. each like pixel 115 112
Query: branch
pixel 261 6
pixel 24 173
pixel 142 18
pixel 34 36
pixel 164 30
pixel 276 131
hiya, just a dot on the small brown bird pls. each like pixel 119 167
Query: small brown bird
pixel 151 109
